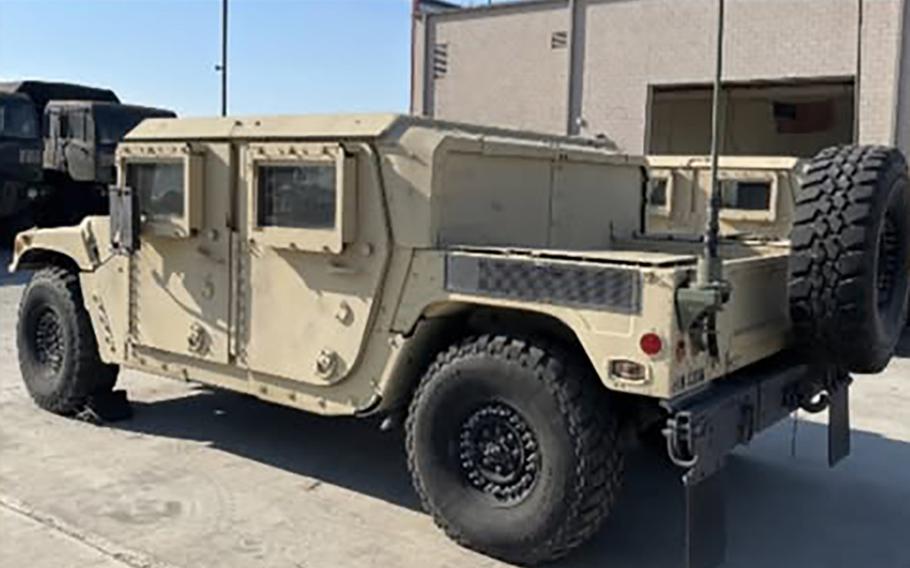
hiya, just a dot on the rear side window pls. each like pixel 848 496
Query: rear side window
pixel 657 192
pixel 746 195
pixel 160 186
pixel 75 126
pixel 297 196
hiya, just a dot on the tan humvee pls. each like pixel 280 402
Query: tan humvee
pixel 758 194
pixel 493 286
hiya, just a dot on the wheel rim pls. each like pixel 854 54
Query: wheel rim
pixel 48 340
pixel 499 453
pixel 888 262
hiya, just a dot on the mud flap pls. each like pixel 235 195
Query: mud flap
pixel 706 521
pixel 838 421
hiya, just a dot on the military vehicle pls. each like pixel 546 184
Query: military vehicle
pixel 493 290
pixel 758 194
pixel 57 144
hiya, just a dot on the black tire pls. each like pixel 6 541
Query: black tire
pixel 850 263
pixel 58 354
pixel 556 486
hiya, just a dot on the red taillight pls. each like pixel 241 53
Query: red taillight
pixel 651 344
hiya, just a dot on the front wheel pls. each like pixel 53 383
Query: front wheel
pixel 58 354
pixel 511 451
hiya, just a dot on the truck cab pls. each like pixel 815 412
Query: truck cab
pixel 81 137
pixel 20 152
pixel 57 143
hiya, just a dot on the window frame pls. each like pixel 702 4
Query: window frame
pixel 751 176
pixel 193 161
pixel 325 239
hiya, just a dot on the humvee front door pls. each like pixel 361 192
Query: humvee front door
pixel 179 278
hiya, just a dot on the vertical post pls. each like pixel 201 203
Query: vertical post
pixel 711 266
pixel 571 118
pixel 224 50
pixel 858 81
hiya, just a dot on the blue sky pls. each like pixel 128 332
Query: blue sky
pixel 286 56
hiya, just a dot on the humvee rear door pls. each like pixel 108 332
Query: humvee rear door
pixel 309 278
pixel 179 278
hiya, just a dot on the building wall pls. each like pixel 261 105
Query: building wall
pixel 882 21
pixel 502 69
pixel 418 72
pixel 634 44
pixel 504 72
pixel 903 120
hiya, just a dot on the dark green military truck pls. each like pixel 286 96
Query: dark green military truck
pixel 57 145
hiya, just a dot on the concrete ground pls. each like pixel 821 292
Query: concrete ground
pixel 212 479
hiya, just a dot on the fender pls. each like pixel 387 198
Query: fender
pixel 77 245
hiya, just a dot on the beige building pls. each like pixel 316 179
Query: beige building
pixel 800 74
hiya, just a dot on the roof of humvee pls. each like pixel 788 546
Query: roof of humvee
pixel 320 126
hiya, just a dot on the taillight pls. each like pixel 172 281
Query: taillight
pixel 651 344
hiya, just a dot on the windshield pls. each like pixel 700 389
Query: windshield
pixel 17 119
pixel 112 124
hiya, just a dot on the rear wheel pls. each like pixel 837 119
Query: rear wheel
pixel 58 355
pixel 513 449
pixel 850 263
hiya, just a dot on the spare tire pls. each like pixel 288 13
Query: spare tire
pixel 850 259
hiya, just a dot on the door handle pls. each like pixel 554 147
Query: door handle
pixel 204 251
pixel 336 267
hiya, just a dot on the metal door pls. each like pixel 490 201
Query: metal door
pixel 179 278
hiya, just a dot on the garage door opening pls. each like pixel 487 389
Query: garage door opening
pixel 781 119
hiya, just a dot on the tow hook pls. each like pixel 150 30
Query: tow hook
pixel 818 397
pixel 679 436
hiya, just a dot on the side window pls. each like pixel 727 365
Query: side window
pixel 747 195
pixel 75 125
pixel 160 187
pixel 657 192
pixel 660 192
pixel 169 183
pixel 297 195
pixel 301 196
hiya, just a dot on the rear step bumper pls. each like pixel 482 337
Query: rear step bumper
pixel 704 427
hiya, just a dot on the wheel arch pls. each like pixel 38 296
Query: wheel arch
pixel 69 247
pixel 443 324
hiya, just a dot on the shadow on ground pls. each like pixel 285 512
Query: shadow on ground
pixel 903 348
pixel 784 511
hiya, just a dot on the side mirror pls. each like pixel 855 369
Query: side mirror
pixel 125 220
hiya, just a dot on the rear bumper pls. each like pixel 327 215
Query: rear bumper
pixel 704 427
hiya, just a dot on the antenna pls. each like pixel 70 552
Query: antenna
pixel 711 266
pixel 698 305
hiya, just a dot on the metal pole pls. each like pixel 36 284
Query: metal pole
pixel 224 55
pixel 571 120
pixel 711 268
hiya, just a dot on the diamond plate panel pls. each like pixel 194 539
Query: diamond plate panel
pixel 600 287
